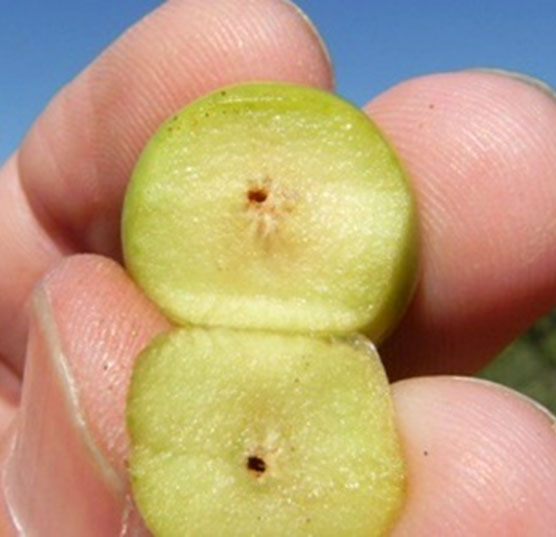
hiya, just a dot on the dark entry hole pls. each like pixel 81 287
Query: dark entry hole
pixel 256 464
pixel 257 195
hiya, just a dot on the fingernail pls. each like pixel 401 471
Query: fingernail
pixel 56 480
pixel 522 77
pixel 310 24
pixel 514 393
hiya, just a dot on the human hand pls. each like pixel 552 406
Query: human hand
pixel 481 150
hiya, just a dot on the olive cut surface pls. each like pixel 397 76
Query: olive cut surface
pixel 272 206
pixel 255 434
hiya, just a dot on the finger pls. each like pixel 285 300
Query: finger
pixel 481 460
pixel 481 151
pixel 64 461
pixel 73 167
pixel 99 321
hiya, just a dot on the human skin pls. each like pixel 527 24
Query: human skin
pixel 481 150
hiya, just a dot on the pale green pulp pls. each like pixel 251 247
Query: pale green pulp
pixel 330 249
pixel 316 411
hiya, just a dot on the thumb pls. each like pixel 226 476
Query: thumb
pixel 64 458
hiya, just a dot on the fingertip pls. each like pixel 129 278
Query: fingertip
pixel 53 470
pixel 480 150
pixel 482 460
pixel 69 446
pixel 103 322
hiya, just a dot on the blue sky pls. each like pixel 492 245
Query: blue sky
pixel 373 44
